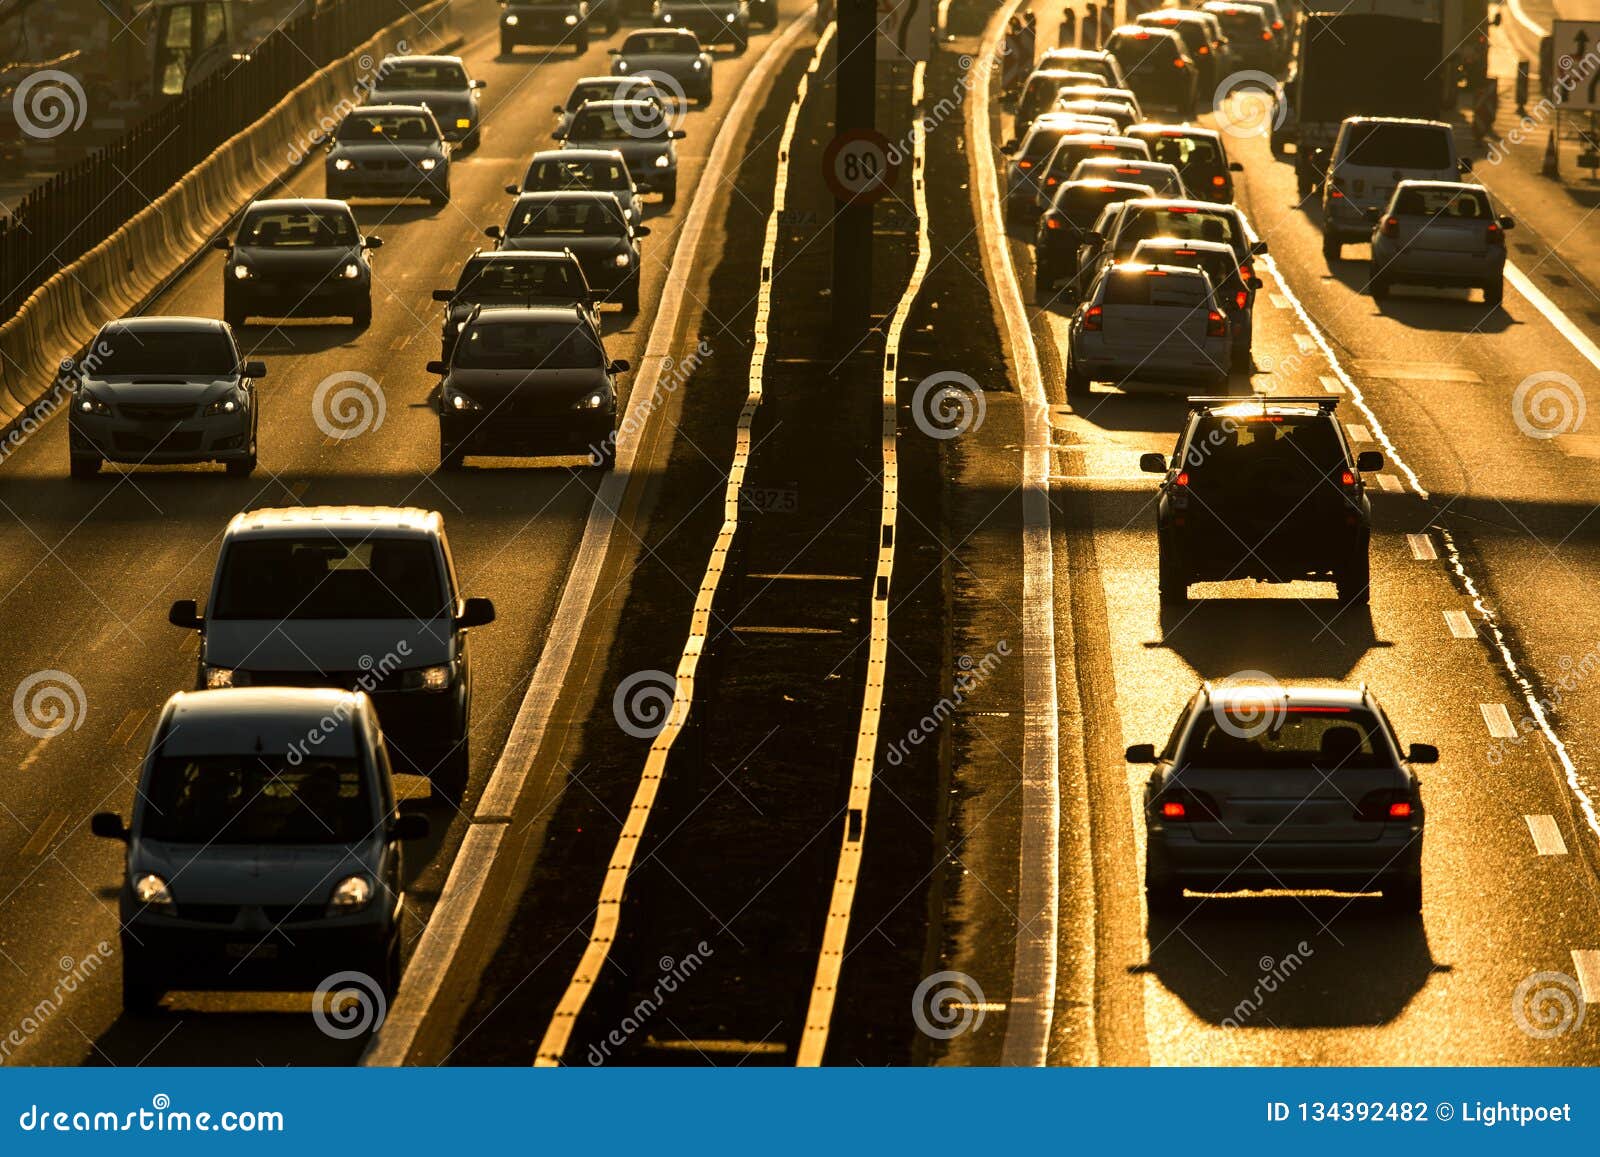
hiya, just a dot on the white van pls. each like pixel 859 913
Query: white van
pixel 1370 157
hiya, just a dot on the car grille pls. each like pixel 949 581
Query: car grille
pixel 156 411
pixel 176 442
pixel 290 913
pixel 388 166
pixel 344 680
pixel 209 913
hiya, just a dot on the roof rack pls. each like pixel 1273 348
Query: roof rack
pixel 1321 401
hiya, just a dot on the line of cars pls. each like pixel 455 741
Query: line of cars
pixel 264 849
pixel 1261 785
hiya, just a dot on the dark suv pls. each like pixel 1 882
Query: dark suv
pixel 1266 489
pixel 552 22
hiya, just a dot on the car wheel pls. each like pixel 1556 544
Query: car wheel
pixel 1355 582
pixel 1332 250
pixel 234 316
pixel 582 42
pixel 507 45
pixel 1495 293
pixel 362 316
pixel 605 455
pixel 85 466
pixel 669 192
pixel 1172 584
pixel 630 297
pixel 1077 382
pixel 1379 286
pixel 451 777
pixel 140 995
pixel 451 457
pixel 1403 896
pixel 243 467
pixel 439 200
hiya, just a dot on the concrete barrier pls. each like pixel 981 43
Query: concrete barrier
pixel 125 270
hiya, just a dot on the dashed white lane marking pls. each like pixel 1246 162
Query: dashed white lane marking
pixel 1498 720
pixel 1546 835
pixel 1390 484
pixel 1278 301
pixel 34 753
pixel 1358 432
pixel 1586 963
pixel 1422 548
pixel 1305 342
pixel 43 835
pixel 1460 626
pixel 1330 383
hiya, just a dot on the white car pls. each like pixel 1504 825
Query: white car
pixel 1440 233
pixel 1148 323
pixel 1371 155
pixel 1163 178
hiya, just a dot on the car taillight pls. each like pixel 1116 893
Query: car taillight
pixel 1203 50
pixel 1247 273
pixel 1497 235
pixel 1024 164
pixel 1347 478
pixel 1400 810
pixel 1335 193
pixel 1051 180
pixel 1266 34
pixel 1177 62
pixel 1216 324
pixel 1092 318
pixel 1184 805
pixel 1182 478
pixel 1386 804
pixel 1277 25
pixel 1174 809
pixel 1052 222
pixel 1218 181
pixel 1241 298
pixel 1390 227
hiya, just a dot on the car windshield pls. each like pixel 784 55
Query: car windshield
pixel 397 126
pixel 1219 264
pixel 182 353
pixel 1231 448
pixel 568 218
pixel 1192 31
pixel 257 798
pixel 1155 287
pixel 1325 738
pixel 1183 152
pixel 564 174
pixel 1069 152
pixel 1396 146
pixel 501 345
pixel 418 76
pixel 1081 204
pixel 1121 169
pixel 1181 223
pixel 1442 204
pixel 1142 49
pixel 298 229
pixel 327 577
pixel 622 88
pixel 1076 64
pixel 657 43
pixel 520 279
pixel 616 123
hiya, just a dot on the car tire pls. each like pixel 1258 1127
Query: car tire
pixel 1403 896
pixel 507 45
pixel 243 467
pixel 629 298
pixel 581 42
pixel 605 455
pixel 1077 382
pixel 451 457
pixel 84 465
pixel 361 316
pixel 1354 583
pixel 233 315
pixel 140 994
pixel 1332 249
pixel 439 200
pixel 449 780
pixel 1495 293
pixel 1172 584
pixel 669 193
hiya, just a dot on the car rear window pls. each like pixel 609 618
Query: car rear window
pixel 1142 49
pixel 568 217
pixel 1192 31
pixel 185 353
pixel 1082 203
pixel 503 278
pixel 326 577
pixel 1443 204
pixel 1183 151
pixel 623 88
pixel 1154 287
pixel 1069 152
pixel 565 174
pixel 257 799
pixel 514 345
pixel 1246 22
pixel 1233 448
pixel 1396 146
pixel 1219 265
pixel 1122 169
pixel 1269 734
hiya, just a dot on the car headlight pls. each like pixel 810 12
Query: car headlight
pixel 228 405
pixel 152 889
pixel 569 19
pixel 622 66
pixel 621 260
pixel 426 678
pixel 729 17
pixel 463 122
pixel 459 402
pixel 351 271
pixel 214 677
pixel 343 164
pixel 89 404
pixel 697 66
pixel 427 164
pixel 512 19
pixel 350 894
pixel 242 273
pixel 594 401
pixel 666 18
pixel 461 325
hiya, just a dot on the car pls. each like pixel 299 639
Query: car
pixel 639 131
pixel 1252 43
pixel 1100 93
pixel 590 88
pixel 588 225
pixel 1097 61
pixel 298 257
pixel 356 598
pixel 712 21
pixel 1199 154
pixel 550 22
pixel 1371 155
pixel 672 57
pixel 1027 159
pixel 1282 38
pixel 764 13
pixel 1162 180
pixel 601 170
pixel 1080 122
pixel 1187 220
pixel 1234 292
pixel 389 150
pixel 1266 489
pixel 160 390
pixel 439 83
pixel 1440 233
pixel 1283 787
pixel 1092 241
pixel 1119 114
pixel 1039 93
pixel 1201 34
pixel 1071 149
pixel 1059 234
pixel 1157 66
pixel 494 277
pixel 1150 323
pixel 524 382
pixel 264 848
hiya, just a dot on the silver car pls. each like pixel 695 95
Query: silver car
pixel 1440 233
pixel 1283 787
pixel 264 847
pixel 163 390
pixel 1148 323
pixel 440 84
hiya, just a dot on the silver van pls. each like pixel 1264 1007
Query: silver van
pixel 1371 155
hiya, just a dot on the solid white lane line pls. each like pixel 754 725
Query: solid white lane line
pixel 1554 314
pixel 447 925
pixel 1460 626
pixel 1422 548
pixel 1586 964
pixel 830 960
pixel 1498 720
pixel 1033 974
pixel 608 908
pixel 1546 835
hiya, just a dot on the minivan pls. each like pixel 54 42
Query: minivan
pixel 1371 155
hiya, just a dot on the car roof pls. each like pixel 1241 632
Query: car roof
pixel 681 33
pixel 239 720
pixel 549 196
pixel 1292 694
pixel 1289 407
pixel 523 256
pixel 1180 243
pixel 1103 186
pixel 577 154
pixel 279 204
pixel 392 107
pixel 1165 130
pixel 1370 120
pixel 619 81
pixel 1183 203
pixel 293 521
pixel 1145 31
pixel 1168 14
pixel 167 324
pixel 418 58
pixel 612 101
pixel 1452 186
pixel 529 314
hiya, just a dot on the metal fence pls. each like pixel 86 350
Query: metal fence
pixel 80 207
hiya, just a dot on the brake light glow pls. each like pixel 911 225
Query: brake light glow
pixel 1335 193
pixel 1246 272
pixel 1091 318
pixel 1266 34
pixel 1141 36
pixel 1497 235
pixel 1174 810
pixel 1024 164
pixel 1204 50
pixel 1181 209
pixel 1216 324
pixel 1241 298
pixel 1218 181
pixel 1184 252
pixel 1178 62
pixel 1346 478
pixel 1391 227
pixel 1052 222
pixel 1128 172
pixel 1277 25
pixel 1182 479
pixel 1400 809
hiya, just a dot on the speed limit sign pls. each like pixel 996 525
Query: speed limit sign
pixel 858 167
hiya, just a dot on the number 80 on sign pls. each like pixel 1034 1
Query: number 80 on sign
pixel 857 166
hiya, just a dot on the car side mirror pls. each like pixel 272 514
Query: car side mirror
pixel 223 244
pixel 1258 247
pixel 680 134
pixel 409 827
pixel 437 368
pixel 1507 224
pixel 480 85
pixel 514 190
pixel 1141 753
pixel 1153 463
pixel 475 613
pixel 1422 753
pixel 618 366
pixel 444 295
pixel 256 370
pixel 559 135
pixel 108 826
pixel 1369 460
pixel 185 613
pixel 374 242
pixel 1009 147
pixel 1256 283
pixel 493 232
pixel 642 231
pixel 1235 167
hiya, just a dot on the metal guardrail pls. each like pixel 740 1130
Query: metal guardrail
pixel 80 207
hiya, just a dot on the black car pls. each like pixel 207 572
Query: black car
pixel 550 22
pixel 713 21
pixel 298 258
pixel 1061 227
pixel 590 226
pixel 1158 67
pixel 1199 154
pixel 391 151
pixel 441 84
pixel 496 278
pixel 528 382
pixel 1196 28
pixel 1266 489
